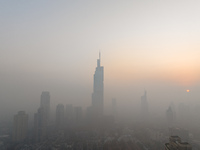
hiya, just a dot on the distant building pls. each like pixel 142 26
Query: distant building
pixel 69 113
pixel 42 117
pixel 45 104
pixel 89 111
pixel 40 125
pixel 174 111
pixel 176 144
pixel 170 116
pixel 182 133
pixel 20 126
pixel 78 114
pixel 60 110
pixel 144 106
pixel 98 90
pixel 156 134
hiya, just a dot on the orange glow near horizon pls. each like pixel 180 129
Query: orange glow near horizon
pixel 174 65
pixel 188 90
pixel 184 74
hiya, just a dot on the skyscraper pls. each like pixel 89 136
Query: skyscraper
pixel 20 127
pixel 69 114
pixel 45 104
pixel 98 89
pixel 144 106
pixel 60 110
pixel 40 125
pixel 170 116
pixel 78 114
pixel 41 118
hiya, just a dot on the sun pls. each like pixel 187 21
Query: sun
pixel 188 90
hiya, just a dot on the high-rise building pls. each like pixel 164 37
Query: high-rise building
pixel 98 89
pixel 40 125
pixel 78 114
pixel 176 144
pixel 69 112
pixel 170 117
pixel 42 117
pixel 20 126
pixel 45 104
pixel 60 110
pixel 144 106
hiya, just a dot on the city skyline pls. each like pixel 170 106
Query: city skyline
pixel 52 46
pixel 143 92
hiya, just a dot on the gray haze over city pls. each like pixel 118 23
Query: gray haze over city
pixel 144 46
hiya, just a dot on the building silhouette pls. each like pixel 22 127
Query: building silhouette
pixel 69 114
pixel 40 125
pixel 60 110
pixel 45 104
pixel 20 126
pixel 98 90
pixel 144 106
pixel 42 117
pixel 182 133
pixel 78 114
pixel 170 117
pixel 176 144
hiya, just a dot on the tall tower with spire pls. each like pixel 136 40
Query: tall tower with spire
pixel 98 89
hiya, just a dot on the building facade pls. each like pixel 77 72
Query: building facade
pixel 40 125
pixel 20 126
pixel 42 117
pixel 60 112
pixel 45 104
pixel 175 143
pixel 98 89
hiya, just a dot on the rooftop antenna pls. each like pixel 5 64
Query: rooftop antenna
pixel 99 54
pixel 99 60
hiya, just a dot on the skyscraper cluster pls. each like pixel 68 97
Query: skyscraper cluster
pixel 69 117
pixel 65 116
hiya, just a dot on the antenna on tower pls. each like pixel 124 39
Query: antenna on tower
pixel 99 60
pixel 99 54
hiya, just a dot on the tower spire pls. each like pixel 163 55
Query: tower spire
pixel 99 60
pixel 98 90
pixel 99 55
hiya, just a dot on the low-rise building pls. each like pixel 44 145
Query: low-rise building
pixel 176 144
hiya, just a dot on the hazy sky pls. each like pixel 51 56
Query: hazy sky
pixel 53 46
